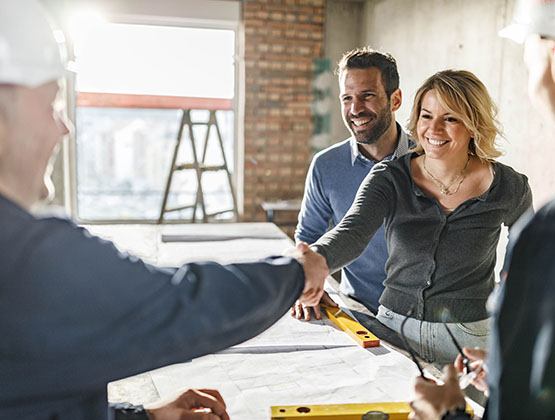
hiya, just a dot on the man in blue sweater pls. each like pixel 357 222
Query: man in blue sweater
pixel 369 95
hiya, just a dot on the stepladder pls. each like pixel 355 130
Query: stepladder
pixel 197 164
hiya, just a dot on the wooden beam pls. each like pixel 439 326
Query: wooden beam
pixel 117 100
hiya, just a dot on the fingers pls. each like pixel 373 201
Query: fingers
pixel 311 297
pixel 200 399
pixel 292 252
pixel 459 365
pixel 300 311
pixel 475 354
pixel 302 247
pixel 421 385
pixel 303 311
pixel 215 393
pixel 328 300
pixel 200 415
pixel 450 374
pixel 317 311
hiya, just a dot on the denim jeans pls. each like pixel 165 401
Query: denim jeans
pixel 431 341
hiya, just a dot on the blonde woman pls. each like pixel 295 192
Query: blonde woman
pixel 442 206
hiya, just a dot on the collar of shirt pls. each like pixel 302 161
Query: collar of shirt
pixel 402 148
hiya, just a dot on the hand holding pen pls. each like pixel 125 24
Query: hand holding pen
pixel 478 374
pixel 471 364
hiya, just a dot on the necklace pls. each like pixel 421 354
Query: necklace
pixel 444 189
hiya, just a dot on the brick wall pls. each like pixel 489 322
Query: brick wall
pixel 282 39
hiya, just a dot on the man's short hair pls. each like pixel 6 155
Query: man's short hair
pixel 364 58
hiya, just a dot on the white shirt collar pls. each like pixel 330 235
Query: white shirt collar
pixel 402 147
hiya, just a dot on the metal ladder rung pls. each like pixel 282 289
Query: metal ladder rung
pixel 219 212
pixel 198 166
pixel 179 208
pixel 201 166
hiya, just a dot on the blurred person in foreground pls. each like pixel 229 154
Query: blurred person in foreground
pixel 75 313
pixel 521 359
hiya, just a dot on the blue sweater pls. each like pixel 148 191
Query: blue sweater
pixel 331 186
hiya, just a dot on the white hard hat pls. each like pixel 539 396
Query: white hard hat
pixel 29 53
pixel 531 17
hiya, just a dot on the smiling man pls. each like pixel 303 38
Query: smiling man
pixel 369 95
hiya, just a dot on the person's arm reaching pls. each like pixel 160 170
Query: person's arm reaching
pixel 100 301
pixel 346 241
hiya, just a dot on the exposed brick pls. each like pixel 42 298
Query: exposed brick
pixel 282 40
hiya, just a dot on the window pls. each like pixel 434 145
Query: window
pixel 132 81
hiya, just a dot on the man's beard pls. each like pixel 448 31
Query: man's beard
pixel 382 121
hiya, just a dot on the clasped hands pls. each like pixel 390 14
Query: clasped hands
pixel 315 272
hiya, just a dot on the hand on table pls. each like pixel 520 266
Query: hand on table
pixel 477 358
pixel 302 311
pixel 315 272
pixel 194 404
pixel 432 401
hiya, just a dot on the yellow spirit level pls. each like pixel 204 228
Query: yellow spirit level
pixel 355 330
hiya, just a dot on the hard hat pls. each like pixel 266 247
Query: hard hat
pixel 531 17
pixel 29 53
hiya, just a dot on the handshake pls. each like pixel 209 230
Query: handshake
pixel 315 272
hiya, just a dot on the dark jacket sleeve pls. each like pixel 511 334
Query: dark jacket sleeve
pixel 101 315
pixel 522 353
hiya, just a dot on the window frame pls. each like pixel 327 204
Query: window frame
pixel 69 146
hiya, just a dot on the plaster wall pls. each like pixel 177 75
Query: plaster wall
pixel 343 32
pixel 426 36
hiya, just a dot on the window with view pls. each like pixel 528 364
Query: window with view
pixel 132 83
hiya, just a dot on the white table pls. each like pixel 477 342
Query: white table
pixel 292 363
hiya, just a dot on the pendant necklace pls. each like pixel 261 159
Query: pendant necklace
pixel 444 189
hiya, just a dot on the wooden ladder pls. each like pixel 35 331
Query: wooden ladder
pixel 199 167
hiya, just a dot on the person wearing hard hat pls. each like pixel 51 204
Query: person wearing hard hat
pixel 75 313
pixel 521 359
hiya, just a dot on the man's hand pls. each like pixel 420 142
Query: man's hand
pixel 302 311
pixel 477 358
pixel 432 401
pixel 315 272
pixel 202 404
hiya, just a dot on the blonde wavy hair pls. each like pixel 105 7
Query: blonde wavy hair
pixel 462 94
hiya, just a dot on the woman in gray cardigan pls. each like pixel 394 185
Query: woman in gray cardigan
pixel 442 206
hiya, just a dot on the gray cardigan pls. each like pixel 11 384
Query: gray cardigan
pixel 435 261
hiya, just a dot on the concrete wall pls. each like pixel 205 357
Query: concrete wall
pixel 426 36
pixel 343 32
